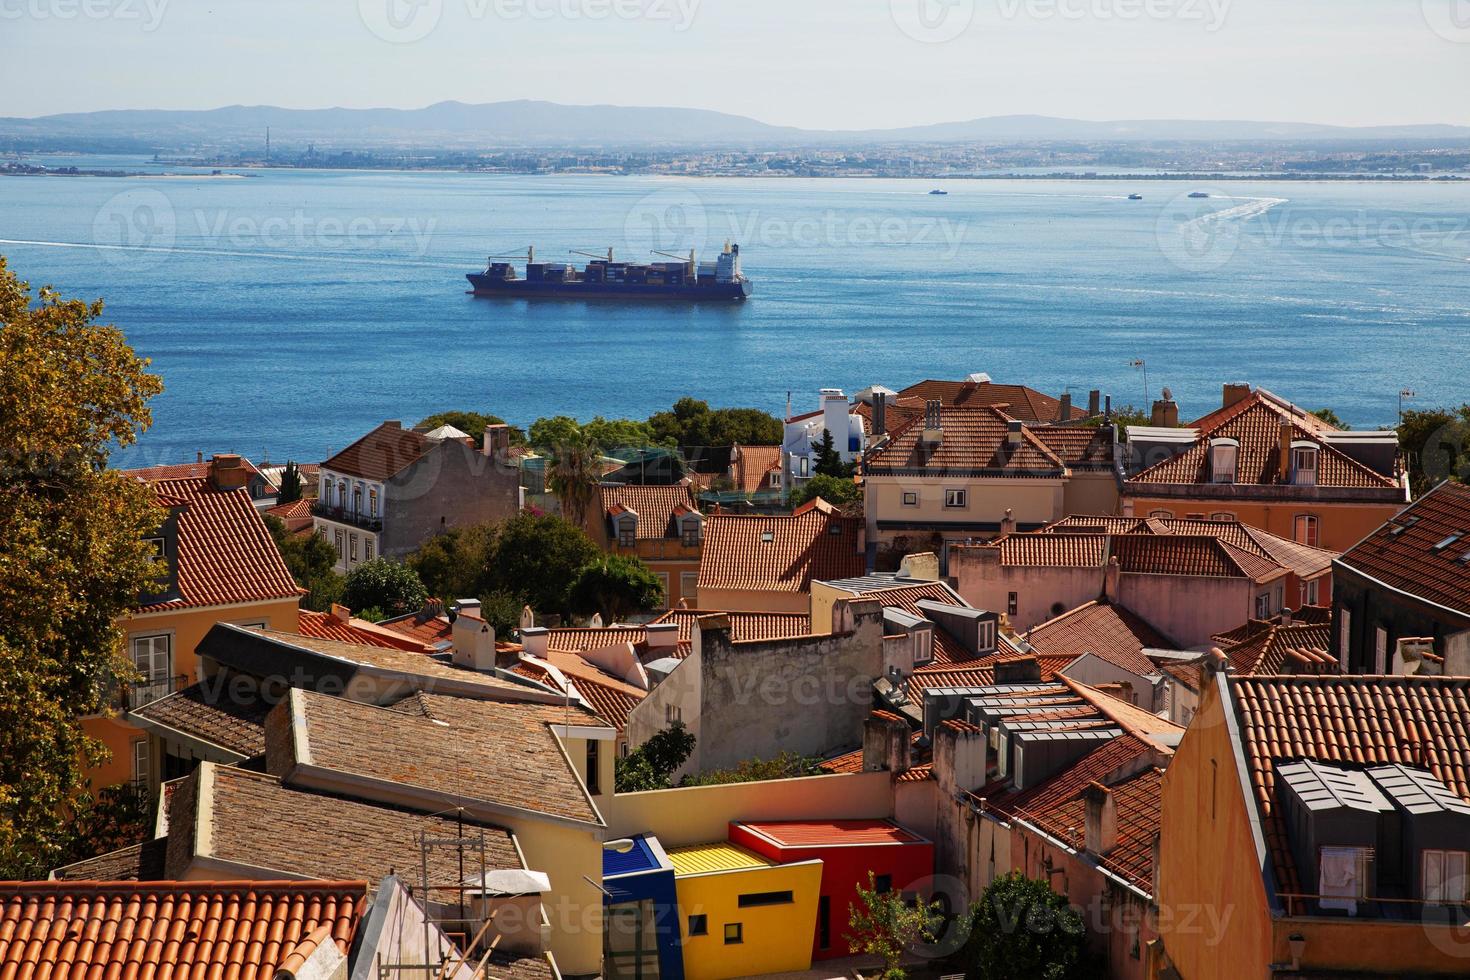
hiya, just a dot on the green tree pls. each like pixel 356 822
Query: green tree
pixel 502 610
pixel 1331 418
pixel 312 562
pixel 650 764
pixel 884 925
pixel 691 424
pixel 575 471
pixel 472 424
pixel 615 586
pixel 609 434
pixel 1021 928
pixel 785 765
pixel 537 556
pixel 73 556
pixel 384 585
pixel 836 490
pixel 1434 442
pixel 456 564
pixel 290 484
pixel 557 431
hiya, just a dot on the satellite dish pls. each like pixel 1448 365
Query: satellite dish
pixel 1168 395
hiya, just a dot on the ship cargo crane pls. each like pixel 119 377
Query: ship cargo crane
pixel 671 255
pixel 594 255
pixel 530 255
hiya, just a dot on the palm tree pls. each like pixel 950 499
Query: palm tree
pixel 575 472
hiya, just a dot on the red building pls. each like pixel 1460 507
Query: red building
pixel 849 850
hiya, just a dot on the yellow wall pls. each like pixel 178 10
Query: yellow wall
pixel 569 856
pixel 753 600
pixel 1339 526
pixel 987 500
pixel 187 628
pixel 776 938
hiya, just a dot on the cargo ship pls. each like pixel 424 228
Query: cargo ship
pixel 606 278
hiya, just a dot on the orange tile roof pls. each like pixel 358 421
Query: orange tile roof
pixel 1021 402
pixel 815 542
pixel 186 471
pixel 325 626
pixel 1304 560
pixel 976 673
pixel 1423 722
pixel 1417 551
pixel 654 505
pixel 975 441
pixel 1081 447
pixel 296 515
pixel 609 698
pixel 428 626
pixel 580 639
pixel 242 930
pixel 1269 647
pixel 753 467
pixel 1255 422
pixel 381 454
pixel 1052 549
pixel 1107 630
pixel 1177 554
pixel 821 833
pixel 226 555
pixel 743 625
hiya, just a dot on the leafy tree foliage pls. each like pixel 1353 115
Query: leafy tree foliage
pixel 384 586
pixel 73 556
pixel 615 586
pixel 456 564
pixel 556 431
pixel 836 490
pixel 575 472
pixel 1331 418
pixel 537 557
pixel 1436 444
pixel 311 560
pixel 502 610
pixel 290 484
pixel 786 765
pixel 650 765
pixel 1021 928
pixel 884 925
pixel 691 424
pixel 829 460
pixel 472 424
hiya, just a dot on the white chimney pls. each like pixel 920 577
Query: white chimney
pixel 474 642
pixel 535 640
pixel 834 417
pixel 662 636
pixel 468 607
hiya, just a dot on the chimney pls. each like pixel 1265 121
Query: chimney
pixel 341 613
pixel 496 441
pixel 880 413
pixel 1112 579
pixel 393 424
pixel 199 456
pixel 1165 412
pixel 1286 616
pixel 535 640
pixel 1102 819
pixel 1287 434
pixel 886 743
pixel 1066 415
pixel 1234 392
pixel 227 471
pixel 933 423
pixel 1008 523
pixel 1018 670
pixel 662 636
pixel 834 417
pixel 1013 432
pixel 468 607
pixel 1094 400
pixel 474 641
pixel 528 618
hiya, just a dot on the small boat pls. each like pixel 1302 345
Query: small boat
pixel 1135 197
pixel 938 192
pixel 1198 194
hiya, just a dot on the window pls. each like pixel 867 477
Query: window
pixel 910 499
pixel 627 535
pixel 594 766
pixel 1223 453
pixel 341 553
pixel 367 549
pixel 806 466
pixel 1263 606
pixel 776 479
pixel 1344 636
pixel 691 534
pixel 1310 593
pixel 1304 465
pixel 152 656
pixel 673 713
pixel 985 636
pixel 159 546
pixel 1342 876
pixel 824 924
pixel 689 587
pixel 1161 515
pixel 1444 877
pixel 373 502
pixel 342 494
pixel 1012 604
pixel 756 900
pixel 1304 529
pixel 698 925
pixel 1194 517
pixel 954 498
pixel 768 536
pixel 141 760
pixel 734 933
pixel 352 547
pixel 1380 651
pixel 1222 515
pixel 357 500
pixel 663 583
pixel 883 884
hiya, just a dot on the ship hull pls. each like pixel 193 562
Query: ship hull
pixel 483 285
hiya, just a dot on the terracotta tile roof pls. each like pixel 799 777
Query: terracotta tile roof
pixel 609 698
pixel 975 441
pixel 743 625
pixel 1096 524
pixel 225 554
pixel 1423 722
pixel 381 454
pixel 1304 560
pixel 1021 402
pixel 1051 549
pixel 187 471
pixel 752 468
pixel 211 712
pixel 654 505
pixel 780 553
pixel 429 626
pixel 1177 554
pixel 821 833
pixel 976 673
pixel 1189 674
pixel 325 626
pixel 140 862
pixel 255 822
pixel 1255 422
pixel 580 639
pixel 296 515
pixel 1418 552
pixel 449 752
pixel 243 930
pixel 1268 647
pixel 1081 447
pixel 1107 630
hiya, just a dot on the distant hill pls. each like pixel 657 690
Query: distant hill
pixel 533 123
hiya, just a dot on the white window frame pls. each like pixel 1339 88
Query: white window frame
pixel 985 639
pixel 1161 515
pixel 957 498
pixel 1450 869
pixel 341 543
pixel 1222 515
pixel 367 548
pixel 1344 636
pixel 910 498
pixel 372 501
pixel 775 479
pixel 1310 592
pixel 154 641
pixel 142 761
pixel 1263 606
pixel 1380 650
pixel 1306 529
pixel 1222 452
pixel 689 587
pixel 806 466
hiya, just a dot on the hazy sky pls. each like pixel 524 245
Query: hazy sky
pixel 812 63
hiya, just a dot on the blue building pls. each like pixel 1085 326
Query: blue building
pixel 641 933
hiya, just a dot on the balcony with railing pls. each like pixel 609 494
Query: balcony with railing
pixel 347 515
pixel 133 696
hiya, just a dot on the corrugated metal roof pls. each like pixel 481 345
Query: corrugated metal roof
pixel 698 859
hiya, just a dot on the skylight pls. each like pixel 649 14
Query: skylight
pixel 1446 542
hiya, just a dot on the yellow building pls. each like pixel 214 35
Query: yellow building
pixel 223 567
pixel 742 915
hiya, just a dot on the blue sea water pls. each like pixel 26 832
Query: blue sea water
pixel 288 311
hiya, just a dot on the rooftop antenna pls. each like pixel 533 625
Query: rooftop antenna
pixel 1142 366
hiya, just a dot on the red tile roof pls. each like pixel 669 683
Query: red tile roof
pixel 1020 401
pixel 226 555
pixel 296 515
pixel 241 930
pixel 815 542
pixel 1268 647
pixel 654 505
pixel 1417 721
pixel 975 440
pixel 381 454
pixel 428 626
pixel 743 625
pixel 1304 560
pixel 823 833
pixel 1406 552
pixel 1107 630
pixel 1081 447
pixel 1255 422
pixel 186 471
pixel 752 467
pixel 1065 550
pixel 325 626
pixel 611 699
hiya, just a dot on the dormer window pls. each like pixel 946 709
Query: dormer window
pixel 690 532
pixel 1223 456
pixel 1304 463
